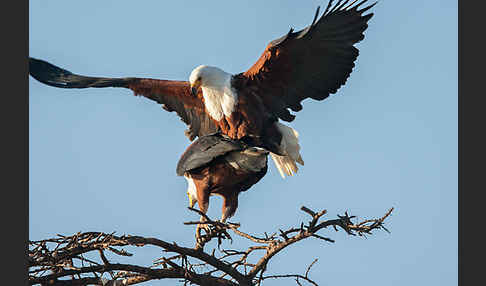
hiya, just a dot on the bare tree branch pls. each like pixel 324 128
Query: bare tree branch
pixel 61 260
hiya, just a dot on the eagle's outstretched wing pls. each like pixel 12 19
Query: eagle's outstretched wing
pixel 313 62
pixel 173 95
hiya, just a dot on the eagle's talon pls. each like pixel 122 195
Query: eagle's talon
pixel 207 228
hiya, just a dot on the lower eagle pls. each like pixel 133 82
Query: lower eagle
pixel 237 117
pixel 217 165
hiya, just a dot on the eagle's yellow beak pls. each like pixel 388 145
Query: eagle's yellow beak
pixel 195 86
pixel 192 201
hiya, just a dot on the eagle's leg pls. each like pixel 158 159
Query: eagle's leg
pixel 203 202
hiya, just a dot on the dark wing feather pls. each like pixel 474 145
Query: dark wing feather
pixel 173 95
pixel 250 159
pixel 204 150
pixel 313 62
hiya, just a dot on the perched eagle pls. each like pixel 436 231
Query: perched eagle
pixel 248 106
pixel 218 165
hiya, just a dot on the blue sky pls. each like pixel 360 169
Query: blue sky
pixel 104 160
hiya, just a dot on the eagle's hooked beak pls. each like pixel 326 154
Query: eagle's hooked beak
pixel 192 201
pixel 195 86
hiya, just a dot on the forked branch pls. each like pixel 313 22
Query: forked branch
pixel 80 259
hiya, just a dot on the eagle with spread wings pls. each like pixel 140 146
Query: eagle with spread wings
pixel 238 117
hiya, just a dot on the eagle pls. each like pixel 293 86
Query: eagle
pixel 246 108
pixel 218 165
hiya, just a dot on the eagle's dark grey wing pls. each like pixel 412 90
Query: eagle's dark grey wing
pixel 205 149
pixel 251 159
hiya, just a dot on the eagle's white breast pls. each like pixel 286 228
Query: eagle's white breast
pixel 220 100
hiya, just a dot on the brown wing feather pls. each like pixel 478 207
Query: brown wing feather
pixel 176 96
pixel 311 63
pixel 173 95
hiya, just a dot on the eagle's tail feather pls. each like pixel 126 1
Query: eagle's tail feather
pixel 286 164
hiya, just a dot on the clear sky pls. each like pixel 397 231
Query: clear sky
pixel 104 160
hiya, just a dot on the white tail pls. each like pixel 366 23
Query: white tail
pixel 286 164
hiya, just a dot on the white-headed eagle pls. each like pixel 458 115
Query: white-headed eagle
pixel 239 114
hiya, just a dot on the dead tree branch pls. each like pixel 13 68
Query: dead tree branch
pixel 63 260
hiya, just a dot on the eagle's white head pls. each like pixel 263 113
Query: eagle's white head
pixel 191 191
pixel 219 97
pixel 208 77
